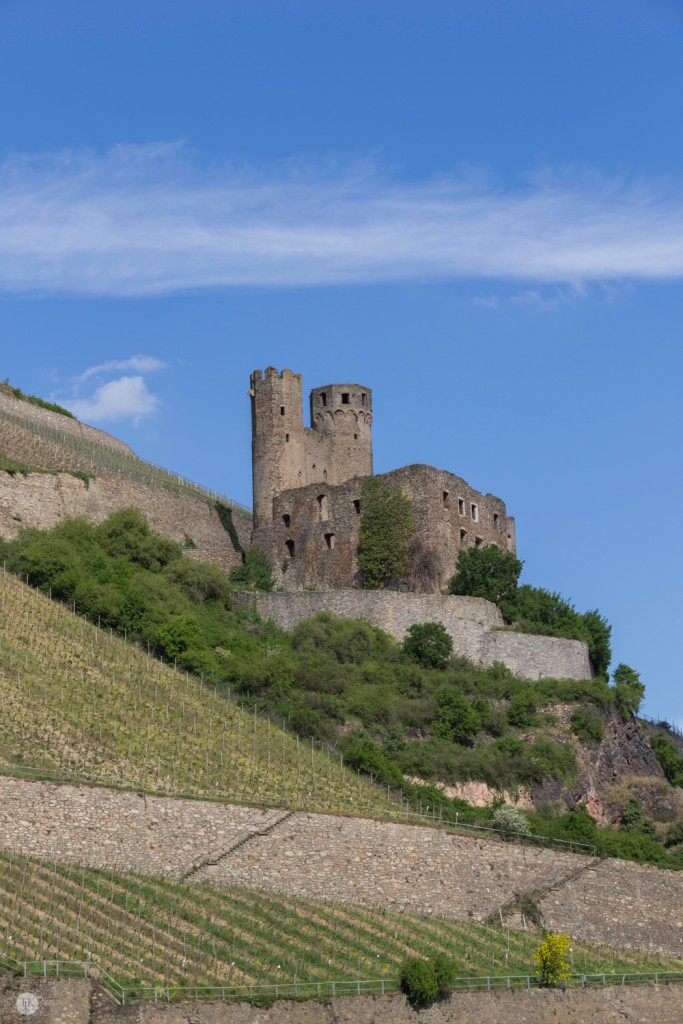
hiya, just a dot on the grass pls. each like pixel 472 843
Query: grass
pixel 80 703
pixel 151 931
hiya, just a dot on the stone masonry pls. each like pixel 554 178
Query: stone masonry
pixel 308 489
pixel 41 500
pixel 474 625
pixel 352 860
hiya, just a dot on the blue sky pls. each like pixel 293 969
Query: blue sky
pixel 476 209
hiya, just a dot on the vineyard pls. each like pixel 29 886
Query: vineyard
pixel 146 931
pixel 79 703
pixel 46 441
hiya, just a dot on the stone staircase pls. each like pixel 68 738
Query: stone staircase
pixel 202 870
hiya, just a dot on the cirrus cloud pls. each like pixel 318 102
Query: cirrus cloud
pixel 146 220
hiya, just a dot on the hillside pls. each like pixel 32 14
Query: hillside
pixel 78 702
pixel 151 931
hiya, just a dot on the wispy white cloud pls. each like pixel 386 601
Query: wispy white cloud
pixel 123 398
pixel 146 220
pixel 143 364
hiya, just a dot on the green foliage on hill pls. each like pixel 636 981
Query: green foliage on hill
pixel 628 691
pixel 393 716
pixel 254 573
pixel 486 572
pixel 668 757
pixel 386 527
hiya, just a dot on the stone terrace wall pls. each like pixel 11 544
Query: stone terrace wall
pixel 472 623
pixel 400 867
pixel 105 828
pixel 74 1001
pixel 41 500
pixel 352 860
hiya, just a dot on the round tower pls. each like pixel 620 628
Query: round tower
pixel 342 415
pixel 277 438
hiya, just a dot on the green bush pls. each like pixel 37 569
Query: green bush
pixel 418 981
pixel 254 573
pixel 428 644
pixel 587 725
pixel 457 720
pixel 667 755
pixel 510 821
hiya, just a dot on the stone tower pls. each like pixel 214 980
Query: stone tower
pixel 285 454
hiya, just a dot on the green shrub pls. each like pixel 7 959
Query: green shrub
pixel 254 573
pixel 522 709
pixel 428 644
pixel 551 961
pixel 418 981
pixel 667 755
pixel 587 725
pixel 457 720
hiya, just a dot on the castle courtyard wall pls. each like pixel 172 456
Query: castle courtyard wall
pixel 474 625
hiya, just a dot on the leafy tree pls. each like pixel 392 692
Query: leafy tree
pixel 254 573
pixel 486 572
pixel 386 527
pixel 429 644
pixel 445 970
pixel 628 691
pixel 551 961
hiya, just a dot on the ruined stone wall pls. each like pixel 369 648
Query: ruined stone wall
pixel 313 538
pixel 352 860
pixel 41 500
pixel 473 624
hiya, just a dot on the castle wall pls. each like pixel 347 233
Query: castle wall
pixel 313 538
pixel 354 860
pixel 41 500
pixel 473 624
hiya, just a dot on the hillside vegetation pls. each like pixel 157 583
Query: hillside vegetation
pixel 152 931
pixel 79 702
pixel 392 711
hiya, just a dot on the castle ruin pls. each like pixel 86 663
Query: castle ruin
pixel 308 481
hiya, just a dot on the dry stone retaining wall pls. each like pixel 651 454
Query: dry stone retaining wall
pixel 473 624
pixel 352 860
pixel 41 500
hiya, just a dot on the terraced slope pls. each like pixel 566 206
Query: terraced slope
pixel 153 931
pixel 81 704
pixel 44 440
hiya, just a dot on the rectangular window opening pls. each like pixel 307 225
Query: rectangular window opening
pixel 475 513
pixel 478 542
pixel 286 437
pixel 461 506
pixel 287 520
pixel 323 399
pixel 356 505
pixel 463 536
pixel 446 502
pixel 362 398
pixel 289 544
pixel 323 511
pixel 329 540
pixel 282 410
pixel 495 519
pixel 345 397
